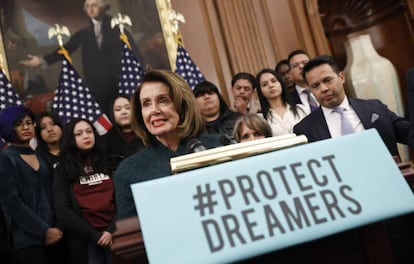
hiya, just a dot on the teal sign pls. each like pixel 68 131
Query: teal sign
pixel 247 207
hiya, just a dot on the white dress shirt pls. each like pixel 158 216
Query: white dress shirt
pixel 333 119
pixel 284 125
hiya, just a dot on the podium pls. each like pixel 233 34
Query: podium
pixel 364 244
pixel 367 244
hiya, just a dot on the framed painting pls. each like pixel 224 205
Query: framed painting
pixel 24 32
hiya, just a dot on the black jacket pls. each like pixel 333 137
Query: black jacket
pixel 224 124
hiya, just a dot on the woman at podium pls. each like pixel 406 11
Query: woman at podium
pixel 166 117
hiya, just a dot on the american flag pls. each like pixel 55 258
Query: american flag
pixel 74 100
pixel 8 95
pixel 187 68
pixel 131 71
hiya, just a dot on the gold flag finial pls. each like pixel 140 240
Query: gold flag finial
pixel 121 20
pixel 59 31
pixel 175 18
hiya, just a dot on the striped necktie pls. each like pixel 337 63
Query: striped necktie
pixel 313 105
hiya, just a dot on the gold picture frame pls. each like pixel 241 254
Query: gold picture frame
pixel 18 17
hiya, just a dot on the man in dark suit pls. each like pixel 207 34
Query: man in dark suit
pixel 283 68
pixel 101 50
pixel 410 99
pixel 326 83
pixel 300 94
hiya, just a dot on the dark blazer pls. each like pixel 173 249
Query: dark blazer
pixel 410 99
pixel 294 96
pixel 373 114
pixel 118 145
pixel 101 66
pixel 224 124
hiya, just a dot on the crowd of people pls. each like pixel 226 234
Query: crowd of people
pixel 61 196
pixel 63 186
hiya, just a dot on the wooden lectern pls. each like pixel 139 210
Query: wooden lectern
pixel 365 244
pixel 128 244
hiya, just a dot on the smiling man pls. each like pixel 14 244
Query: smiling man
pixel 339 115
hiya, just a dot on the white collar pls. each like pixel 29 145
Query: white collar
pixel 344 104
pixel 96 22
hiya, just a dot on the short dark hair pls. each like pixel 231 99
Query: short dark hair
pixel 244 76
pixel 320 60
pixel 280 63
pixel 206 87
pixel 8 119
pixel 296 52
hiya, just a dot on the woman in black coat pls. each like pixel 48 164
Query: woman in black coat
pixel 84 194
pixel 121 139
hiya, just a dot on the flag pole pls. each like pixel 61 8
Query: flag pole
pixel 59 31
pixel 121 20
pixel 131 70
pixel 175 18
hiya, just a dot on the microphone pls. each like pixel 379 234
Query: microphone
pixel 195 145
pixel 227 140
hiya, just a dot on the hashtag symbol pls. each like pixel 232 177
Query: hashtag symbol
pixel 205 199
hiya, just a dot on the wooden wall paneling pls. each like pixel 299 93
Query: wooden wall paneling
pixel 282 27
pixel 243 35
pixel 203 45
pixel 225 37
pixel 318 34
pixel 389 42
pixel 224 12
pixel 240 28
pixel 388 23
pixel 302 28
pixel 255 53
pixel 218 52
pixel 266 35
pixel 410 4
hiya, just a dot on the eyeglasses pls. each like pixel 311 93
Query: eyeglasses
pixel 27 123
pixel 296 64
